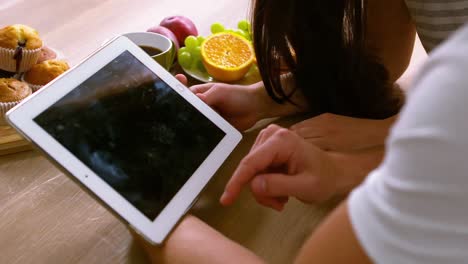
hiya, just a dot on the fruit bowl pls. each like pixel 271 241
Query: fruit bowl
pixel 226 55
pixel 251 77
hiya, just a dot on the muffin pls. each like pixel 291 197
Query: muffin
pixel 20 48
pixel 42 73
pixel 12 92
pixel 46 54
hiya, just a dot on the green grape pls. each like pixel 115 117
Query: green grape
pixel 200 66
pixel 191 42
pixel 244 25
pixel 185 59
pixel 241 33
pixel 200 40
pixel 229 30
pixel 217 28
pixel 182 50
pixel 196 53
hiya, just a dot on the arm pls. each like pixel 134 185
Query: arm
pixel 354 166
pixel 333 242
pixel 272 108
pixel 243 106
pixel 390 34
pixel 193 241
pixel 343 133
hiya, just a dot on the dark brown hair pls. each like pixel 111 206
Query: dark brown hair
pixel 322 44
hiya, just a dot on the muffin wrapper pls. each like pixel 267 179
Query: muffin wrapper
pixel 4 107
pixel 34 87
pixel 7 63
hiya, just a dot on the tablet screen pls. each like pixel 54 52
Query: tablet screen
pixel 133 131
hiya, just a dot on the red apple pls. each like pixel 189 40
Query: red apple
pixel 165 32
pixel 181 26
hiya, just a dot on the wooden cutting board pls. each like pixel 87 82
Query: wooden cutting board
pixel 12 142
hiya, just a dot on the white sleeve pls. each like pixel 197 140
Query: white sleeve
pixel 414 207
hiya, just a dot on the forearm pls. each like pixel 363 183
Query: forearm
pixel 381 130
pixel 333 242
pixel 193 241
pixel 297 104
pixel 354 166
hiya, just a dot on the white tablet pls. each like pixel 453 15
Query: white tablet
pixel 130 133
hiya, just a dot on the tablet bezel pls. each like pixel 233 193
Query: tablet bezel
pixel 21 118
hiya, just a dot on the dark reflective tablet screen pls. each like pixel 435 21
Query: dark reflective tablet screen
pixel 133 131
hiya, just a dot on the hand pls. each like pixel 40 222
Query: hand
pixel 335 132
pixel 282 164
pixel 241 105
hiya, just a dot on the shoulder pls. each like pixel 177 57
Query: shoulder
pixel 440 90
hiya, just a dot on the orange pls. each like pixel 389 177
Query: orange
pixel 226 56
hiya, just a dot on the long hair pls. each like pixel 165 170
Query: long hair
pixel 322 44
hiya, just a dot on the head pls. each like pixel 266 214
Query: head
pixel 324 49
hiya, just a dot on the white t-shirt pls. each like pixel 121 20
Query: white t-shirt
pixel 414 207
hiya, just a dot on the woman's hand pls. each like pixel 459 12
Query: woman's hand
pixel 282 164
pixel 244 105
pixel 241 105
pixel 335 132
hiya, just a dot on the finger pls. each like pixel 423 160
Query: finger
pixel 210 95
pixel 201 88
pixel 271 203
pixel 182 78
pixel 264 135
pixel 277 185
pixel 257 189
pixel 274 152
pixel 214 96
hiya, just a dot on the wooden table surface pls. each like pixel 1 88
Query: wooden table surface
pixel 47 218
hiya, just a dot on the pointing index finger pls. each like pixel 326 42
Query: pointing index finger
pixel 275 151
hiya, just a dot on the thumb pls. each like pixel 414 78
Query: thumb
pixel 276 185
pixel 182 78
pixel 212 97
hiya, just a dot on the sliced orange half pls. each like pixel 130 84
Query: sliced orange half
pixel 226 56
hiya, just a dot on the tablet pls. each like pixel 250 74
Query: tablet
pixel 125 129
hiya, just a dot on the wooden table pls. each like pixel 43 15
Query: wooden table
pixel 47 218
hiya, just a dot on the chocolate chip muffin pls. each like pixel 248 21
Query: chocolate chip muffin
pixel 20 48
